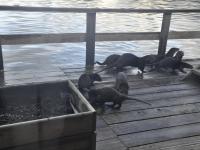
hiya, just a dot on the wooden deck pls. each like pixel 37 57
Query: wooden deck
pixel 171 123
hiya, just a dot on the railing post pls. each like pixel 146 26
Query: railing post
pixel 90 39
pixel 1 58
pixel 164 33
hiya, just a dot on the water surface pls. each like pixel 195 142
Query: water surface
pixel 73 54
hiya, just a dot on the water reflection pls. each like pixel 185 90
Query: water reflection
pixel 74 54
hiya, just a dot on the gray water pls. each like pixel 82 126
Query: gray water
pixel 73 54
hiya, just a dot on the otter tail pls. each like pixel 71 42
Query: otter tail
pixel 105 69
pixel 99 63
pixel 131 98
pixel 186 65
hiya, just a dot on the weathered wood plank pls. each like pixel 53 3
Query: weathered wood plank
pixel 91 10
pixel 105 133
pixel 151 113
pixel 81 142
pixel 157 123
pixel 184 34
pixel 156 96
pixel 160 135
pixel 130 105
pixel 164 34
pixel 42 38
pixel 1 58
pixel 184 147
pixel 90 39
pixel 100 123
pixel 81 37
pixel 44 129
pixel 159 89
pixel 111 144
pixel 127 36
pixel 183 143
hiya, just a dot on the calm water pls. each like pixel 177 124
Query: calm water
pixel 73 54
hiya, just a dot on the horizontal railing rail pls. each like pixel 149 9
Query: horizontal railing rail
pixel 94 10
pixel 100 37
pixel 90 37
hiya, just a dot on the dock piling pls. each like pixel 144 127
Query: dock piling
pixel 90 39
pixel 164 33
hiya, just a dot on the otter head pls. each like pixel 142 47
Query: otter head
pixel 172 51
pixel 95 77
pixel 179 55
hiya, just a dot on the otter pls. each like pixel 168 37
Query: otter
pixel 179 55
pixel 127 59
pixel 85 81
pixel 173 63
pixel 110 60
pixel 108 94
pixel 152 59
pixel 121 83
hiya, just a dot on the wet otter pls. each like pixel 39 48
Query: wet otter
pixel 121 83
pixel 152 59
pixel 127 59
pixel 110 60
pixel 85 81
pixel 108 94
pixel 173 63
pixel 179 55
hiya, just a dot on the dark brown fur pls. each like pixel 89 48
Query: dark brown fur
pixel 127 59
pixel 107 94
pixel 152 59
pixel 121 83
pixel 85 81
pixel 110 60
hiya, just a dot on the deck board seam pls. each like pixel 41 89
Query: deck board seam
pixel 150 108
pixel 159 128
pixel 162 141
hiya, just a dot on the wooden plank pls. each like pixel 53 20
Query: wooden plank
pixel 80 142
pixel 111 144
pixel 42 38
pixel 100 123
pixel 184 147
pixel 160 135
pixel 81 37
pixel 91 10
pixel 184 35
pixel 105 133
pixel 79 101
pixel 157 123
pixel 156 96
pixel 131 105
pixel 159 89
pixel 1 58
pixel 164 34
pixel 127 36
pixel 90 39
pixel 183 143
pixel 151 113
pixel 45 129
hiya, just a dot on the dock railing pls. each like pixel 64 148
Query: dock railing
pixel 90 37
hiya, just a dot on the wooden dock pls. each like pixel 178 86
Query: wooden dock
pixel 171 123
pixel 173 120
